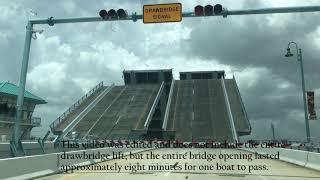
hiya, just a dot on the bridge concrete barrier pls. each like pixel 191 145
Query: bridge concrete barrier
pixel 32 165
pixel 33 148
pixel 302 158
pixel 313 161
pixel 294 156
pixel 39 165
pixel 30 148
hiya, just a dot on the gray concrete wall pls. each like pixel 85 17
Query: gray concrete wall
pixel 31 148
pixel 34 166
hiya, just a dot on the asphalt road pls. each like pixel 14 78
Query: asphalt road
pixel 273 169
pixel 198 111
pixel 124 108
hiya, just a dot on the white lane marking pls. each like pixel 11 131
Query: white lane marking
pixel 192 117
pixel 131 99
pixel 114 100
pixel 118 119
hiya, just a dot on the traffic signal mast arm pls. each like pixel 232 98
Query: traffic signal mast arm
pixel 119 15
pixel 225 13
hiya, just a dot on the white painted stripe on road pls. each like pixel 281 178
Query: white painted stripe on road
pixel 118 119
pixel 114 100
pixel 192 116
pixel 85 112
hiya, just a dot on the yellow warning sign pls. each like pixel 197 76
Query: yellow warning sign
pixel 160 13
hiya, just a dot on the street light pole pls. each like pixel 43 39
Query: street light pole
pixel 304 98
pixel 299 59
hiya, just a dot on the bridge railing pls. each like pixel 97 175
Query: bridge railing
pixel 166 115
pixel 230 116
pixel 62 118
pixel 153 107
pixel 294 143
pixel 242 104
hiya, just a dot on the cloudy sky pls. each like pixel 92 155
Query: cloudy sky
pixel 67 60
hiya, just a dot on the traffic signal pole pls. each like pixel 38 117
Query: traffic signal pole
pixel 51 21
pixel 134 17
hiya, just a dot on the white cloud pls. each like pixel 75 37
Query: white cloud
pixel 284 85
pixel 48 77
pixel 4 39
pixel 170 36
pixel 69 6
pixel 85 84
pixel 314 37
pixel 248 77
pixel 106 55
pixel 280 3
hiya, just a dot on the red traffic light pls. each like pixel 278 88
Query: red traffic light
pixel 208 10
pixel 217 9
pixel 122 13
pixel 103 14
pixel 198 10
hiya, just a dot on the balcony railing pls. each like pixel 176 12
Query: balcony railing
pixel 36 121
pixel 6 118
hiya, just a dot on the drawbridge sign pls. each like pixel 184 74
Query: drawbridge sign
pixel 161 13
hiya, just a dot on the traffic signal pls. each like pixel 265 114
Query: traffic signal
pixel 122 13
pixel 218 9
pixel 208 10
pixel 198 10
pixel 103 14
pixel 113 14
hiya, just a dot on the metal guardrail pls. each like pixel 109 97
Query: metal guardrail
pixel 233 129
pixel 295 143
pixel 6 118
pixel 32 121
pixel 76 120
pixel 153 107
pixel 166 115
pixel 74 106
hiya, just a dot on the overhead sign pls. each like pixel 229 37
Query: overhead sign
pixel 160 13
